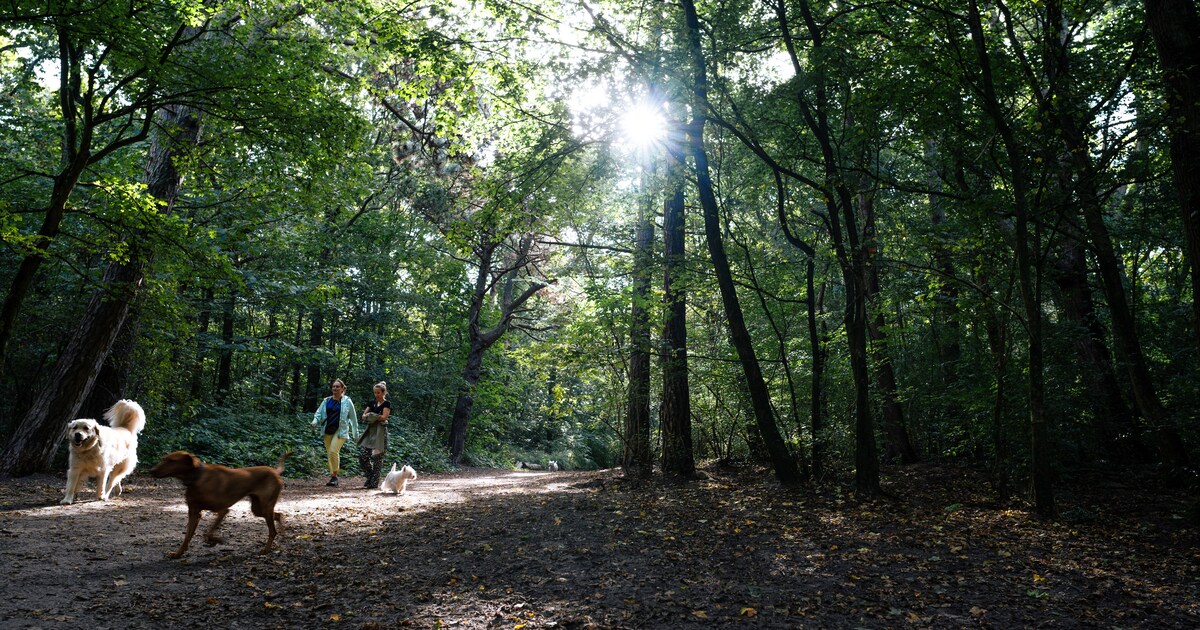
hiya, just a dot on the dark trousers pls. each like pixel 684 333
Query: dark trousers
pixel 371 466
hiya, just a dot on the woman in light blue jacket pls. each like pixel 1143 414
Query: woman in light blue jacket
pixel 336 415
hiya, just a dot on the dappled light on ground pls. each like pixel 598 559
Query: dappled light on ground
pixel 489 549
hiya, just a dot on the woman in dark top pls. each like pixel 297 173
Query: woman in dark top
pixel 373 443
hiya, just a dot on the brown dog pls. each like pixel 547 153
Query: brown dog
pixel 214 487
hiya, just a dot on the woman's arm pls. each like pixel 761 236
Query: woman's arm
pixel 351 416
pixel 317 413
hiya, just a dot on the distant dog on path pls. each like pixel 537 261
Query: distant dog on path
pixel 215 488
pixel 108 453
pixel 397 480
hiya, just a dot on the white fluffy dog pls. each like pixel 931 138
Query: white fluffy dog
pixel 553 466
pixel 397 480
pixel 106 453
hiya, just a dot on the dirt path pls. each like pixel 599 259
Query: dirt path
pixel 504 549
pixel 100 564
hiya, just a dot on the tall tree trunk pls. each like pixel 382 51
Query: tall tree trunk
pixel 675 413
pixel 76 156
pixel 1042 487
pixel 296 398
pixel 1175 25
pixel 899 443
pixel 820 348
pixel 1112 419
pixel 1066 115
pixel 817 347
pixel 114 373
pixel 225 358
pixel 997 336
pixel 636 458
pixel 202 346
pixel 760 398
pixel 946 328
pixel 316 339
pixel 465 401
pixel 40 432
pixel 842 225
pixel 479 339
pixel 37 437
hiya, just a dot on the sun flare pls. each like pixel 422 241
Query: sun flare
pixel 643 126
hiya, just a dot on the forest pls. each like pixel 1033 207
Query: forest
pixel 873 293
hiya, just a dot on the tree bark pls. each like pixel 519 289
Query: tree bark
pixel 1175 25
pixel 1041 482
pixel 899 443
pixel 1112 419
pixel 675 417
pixel 40 432
pixel 480 340
pixel 36 439
pixel 760 398
pixel 316 339
pixel 1065 113
pixel 204 318
pixel 114 373
pixel 465 401
pixel 842 224
pixel 225 357
pixel 636 458
pixel 816 343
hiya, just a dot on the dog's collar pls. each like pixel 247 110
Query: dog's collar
pixel 191 477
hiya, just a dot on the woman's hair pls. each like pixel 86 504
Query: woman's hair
pixel 382 385
pixel 337 381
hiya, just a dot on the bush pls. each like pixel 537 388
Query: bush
pixel 221 435
pixel 236 438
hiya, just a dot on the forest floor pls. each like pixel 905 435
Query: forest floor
pixel 506 549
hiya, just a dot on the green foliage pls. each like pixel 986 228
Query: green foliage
pixel 330 220
pixel 234 437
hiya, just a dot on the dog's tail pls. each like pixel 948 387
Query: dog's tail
pixel 126 414
pixel 279 464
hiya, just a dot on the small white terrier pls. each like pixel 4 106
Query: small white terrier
pixel 397 480
pixel 553 465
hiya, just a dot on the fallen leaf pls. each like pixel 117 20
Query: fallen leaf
pixel 748 612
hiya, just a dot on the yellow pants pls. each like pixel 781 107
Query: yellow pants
pixel 333 446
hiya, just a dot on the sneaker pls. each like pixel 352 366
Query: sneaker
pixel 333 481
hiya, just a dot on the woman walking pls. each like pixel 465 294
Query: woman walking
pixel 337 414
pixel 373 443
